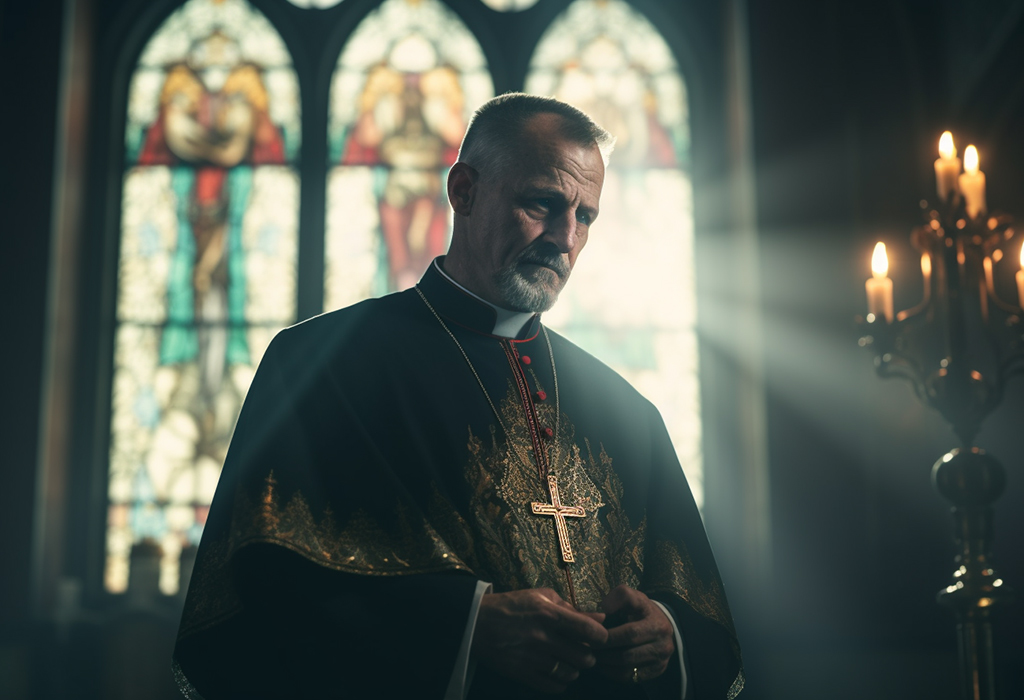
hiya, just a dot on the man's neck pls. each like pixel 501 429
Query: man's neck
pixel 507 323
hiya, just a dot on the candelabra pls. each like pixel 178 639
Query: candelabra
pixel 958 348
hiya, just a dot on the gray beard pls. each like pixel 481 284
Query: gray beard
pixel 522 294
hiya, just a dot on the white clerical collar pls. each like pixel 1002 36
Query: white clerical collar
pixel 508 324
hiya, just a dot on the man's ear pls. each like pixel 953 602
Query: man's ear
pixel 462 180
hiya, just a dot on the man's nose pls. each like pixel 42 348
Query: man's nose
pixel 561 230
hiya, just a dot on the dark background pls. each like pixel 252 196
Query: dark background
pixel 847 100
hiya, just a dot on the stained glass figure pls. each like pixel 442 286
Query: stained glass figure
pixel 631 301
pixel 209 207
pixel 403 91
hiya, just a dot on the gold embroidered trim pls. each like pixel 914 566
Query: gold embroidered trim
pixel 410 546
pixel 185 686
pixel 362 546
pixel 737 685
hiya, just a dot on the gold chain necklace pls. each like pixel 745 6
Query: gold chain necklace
pixel 501 423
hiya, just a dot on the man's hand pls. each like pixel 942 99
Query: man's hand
pixel 644 640
pixel 522 634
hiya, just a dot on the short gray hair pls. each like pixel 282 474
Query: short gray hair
pixel 490 142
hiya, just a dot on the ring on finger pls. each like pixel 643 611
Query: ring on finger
pixel 636 674
pixel 554 669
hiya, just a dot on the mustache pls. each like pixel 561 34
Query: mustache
pixel 547 255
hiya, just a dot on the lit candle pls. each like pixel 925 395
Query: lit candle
pixel 1020 278
pixel 972 184
pixel 947 167
pixel 926 272
pixel 879 287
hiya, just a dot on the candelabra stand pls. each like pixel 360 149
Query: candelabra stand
pixel 959 347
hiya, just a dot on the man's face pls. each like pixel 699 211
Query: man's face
pixel 530 221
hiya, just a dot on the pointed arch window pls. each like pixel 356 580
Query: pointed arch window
pixel 404 88
pixel 632 298
pixel 209 205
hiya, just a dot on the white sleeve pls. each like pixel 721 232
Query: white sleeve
pixel 462 673
pixel 679 646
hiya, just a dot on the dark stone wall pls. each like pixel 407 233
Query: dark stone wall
pixel 849 101
pixel 30 41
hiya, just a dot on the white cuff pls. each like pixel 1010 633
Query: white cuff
pixel 462 673
pixel 679 646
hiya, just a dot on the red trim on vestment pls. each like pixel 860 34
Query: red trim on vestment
pixel 531 411
pixel 527 340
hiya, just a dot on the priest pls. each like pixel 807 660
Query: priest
pixel 432 495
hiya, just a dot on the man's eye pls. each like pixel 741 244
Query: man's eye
pixel 542 203
pixel 583 218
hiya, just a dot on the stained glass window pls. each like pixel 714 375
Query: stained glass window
pixel 403 91
pixel 631 301
pixel 209 222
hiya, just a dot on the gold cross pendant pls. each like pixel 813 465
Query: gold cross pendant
pixel 560 513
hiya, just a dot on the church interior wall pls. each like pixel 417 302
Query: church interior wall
pixel 846 103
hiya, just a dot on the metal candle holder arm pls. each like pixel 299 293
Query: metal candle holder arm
pixel 962 343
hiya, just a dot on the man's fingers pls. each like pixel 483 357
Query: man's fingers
pixel 623 600
pixel 570 653
pixel 521 634
pixel 644 672
pixel 550 595
pixel 547 676
pixel 569 622
pixel 632 634
pixel 642 655
pixel 580 627
pixel 560 671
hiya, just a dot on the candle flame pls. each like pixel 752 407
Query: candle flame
pixel 926 265
pixel 971 160
pixel 880 261
pixel 946 147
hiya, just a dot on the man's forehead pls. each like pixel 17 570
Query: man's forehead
pixel 551 158
pixel 569 180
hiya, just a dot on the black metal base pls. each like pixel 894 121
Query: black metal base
pixel 972 481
